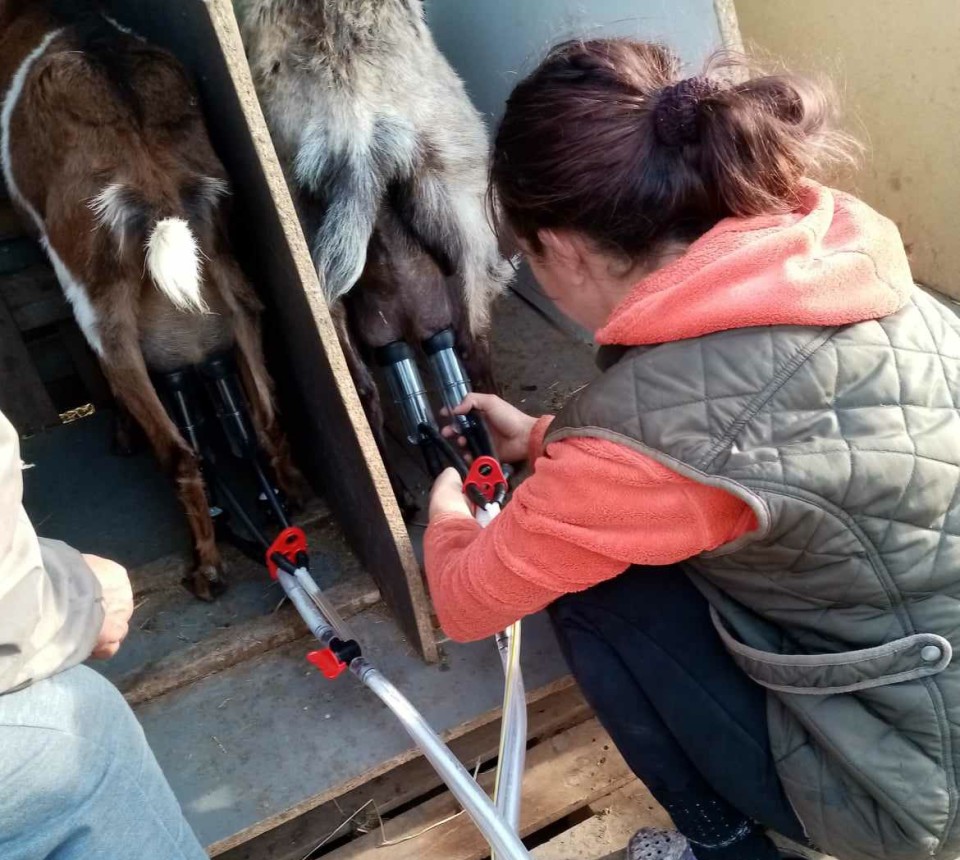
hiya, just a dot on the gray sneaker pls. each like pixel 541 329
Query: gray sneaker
pixel 650 843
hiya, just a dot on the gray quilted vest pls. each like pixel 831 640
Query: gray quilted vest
pixel 845 602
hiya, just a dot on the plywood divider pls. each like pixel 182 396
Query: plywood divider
pixel 320 407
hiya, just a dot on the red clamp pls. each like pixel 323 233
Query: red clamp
pixel 289 543
pixel 329 664
pixel 485 480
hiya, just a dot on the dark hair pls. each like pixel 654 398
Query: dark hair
pixel 602 140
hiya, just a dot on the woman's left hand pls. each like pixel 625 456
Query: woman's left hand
pixel 447 497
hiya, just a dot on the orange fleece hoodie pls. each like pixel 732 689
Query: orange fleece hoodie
pixel 593 508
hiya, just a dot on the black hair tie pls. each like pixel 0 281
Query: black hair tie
pixel 676 115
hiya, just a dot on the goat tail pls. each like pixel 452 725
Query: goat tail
pixel 173 261
pixel 340 246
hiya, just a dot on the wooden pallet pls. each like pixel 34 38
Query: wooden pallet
pixel 408 793
pixel 564 774
pixel 612 821
pixel 580 801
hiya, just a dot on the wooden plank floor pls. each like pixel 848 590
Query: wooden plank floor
pixel 580 802
pixel 613 820
pixel 358 811
pixel 564 773
pixel 266 741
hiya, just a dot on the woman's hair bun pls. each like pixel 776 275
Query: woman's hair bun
pixel 676 114
pixel 606 137
pixel 767 134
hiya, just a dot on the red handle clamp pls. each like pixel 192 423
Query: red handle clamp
pixel 289 543
pixel 485 479
pixel 329 664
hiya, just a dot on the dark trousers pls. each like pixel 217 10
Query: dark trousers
pixel 689 723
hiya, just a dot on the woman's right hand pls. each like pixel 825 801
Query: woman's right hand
pixel 117 596
pixel 509 426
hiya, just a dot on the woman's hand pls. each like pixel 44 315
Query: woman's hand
pixel 509 426
pixel 117 604
pixel 447 497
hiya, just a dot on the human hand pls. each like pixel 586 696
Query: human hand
pixel 117 604
pixel 509 427
pixel 447 497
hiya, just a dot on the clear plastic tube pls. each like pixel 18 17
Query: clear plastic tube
pixel 322 629
pixel 326 608
pixel 500 835
pixel 513 737
pixel 502 838
pixel 513 733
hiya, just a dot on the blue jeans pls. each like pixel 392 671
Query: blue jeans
pixel 78 780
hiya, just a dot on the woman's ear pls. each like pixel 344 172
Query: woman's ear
pixel 565 248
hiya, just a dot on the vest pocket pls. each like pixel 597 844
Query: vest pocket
pixel 907 659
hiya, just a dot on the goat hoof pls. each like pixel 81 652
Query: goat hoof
pixel 206 583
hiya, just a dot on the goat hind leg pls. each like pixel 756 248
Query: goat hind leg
pixel 450 222
pixel 258 387
pixel 126 373
pixel 475 353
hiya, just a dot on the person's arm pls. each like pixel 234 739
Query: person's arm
pixel 52 597
pixel 591 509
pixel 537 434
pixel 51 611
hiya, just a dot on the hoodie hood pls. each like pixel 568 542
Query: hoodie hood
pixel 832 261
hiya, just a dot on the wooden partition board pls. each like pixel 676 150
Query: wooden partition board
pixel 319 405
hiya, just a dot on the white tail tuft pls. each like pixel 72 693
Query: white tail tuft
pixel 173 260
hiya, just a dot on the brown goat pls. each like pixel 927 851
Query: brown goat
pixel 105 152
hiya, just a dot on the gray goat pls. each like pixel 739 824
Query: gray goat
pixel 386 158
pixel 365 111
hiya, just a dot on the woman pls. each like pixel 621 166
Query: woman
pixel 745 529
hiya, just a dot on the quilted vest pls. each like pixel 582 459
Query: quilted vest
pixel 845 601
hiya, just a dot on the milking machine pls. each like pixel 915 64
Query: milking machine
pixel 192 395
pixel 454 386
pixel 486 487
